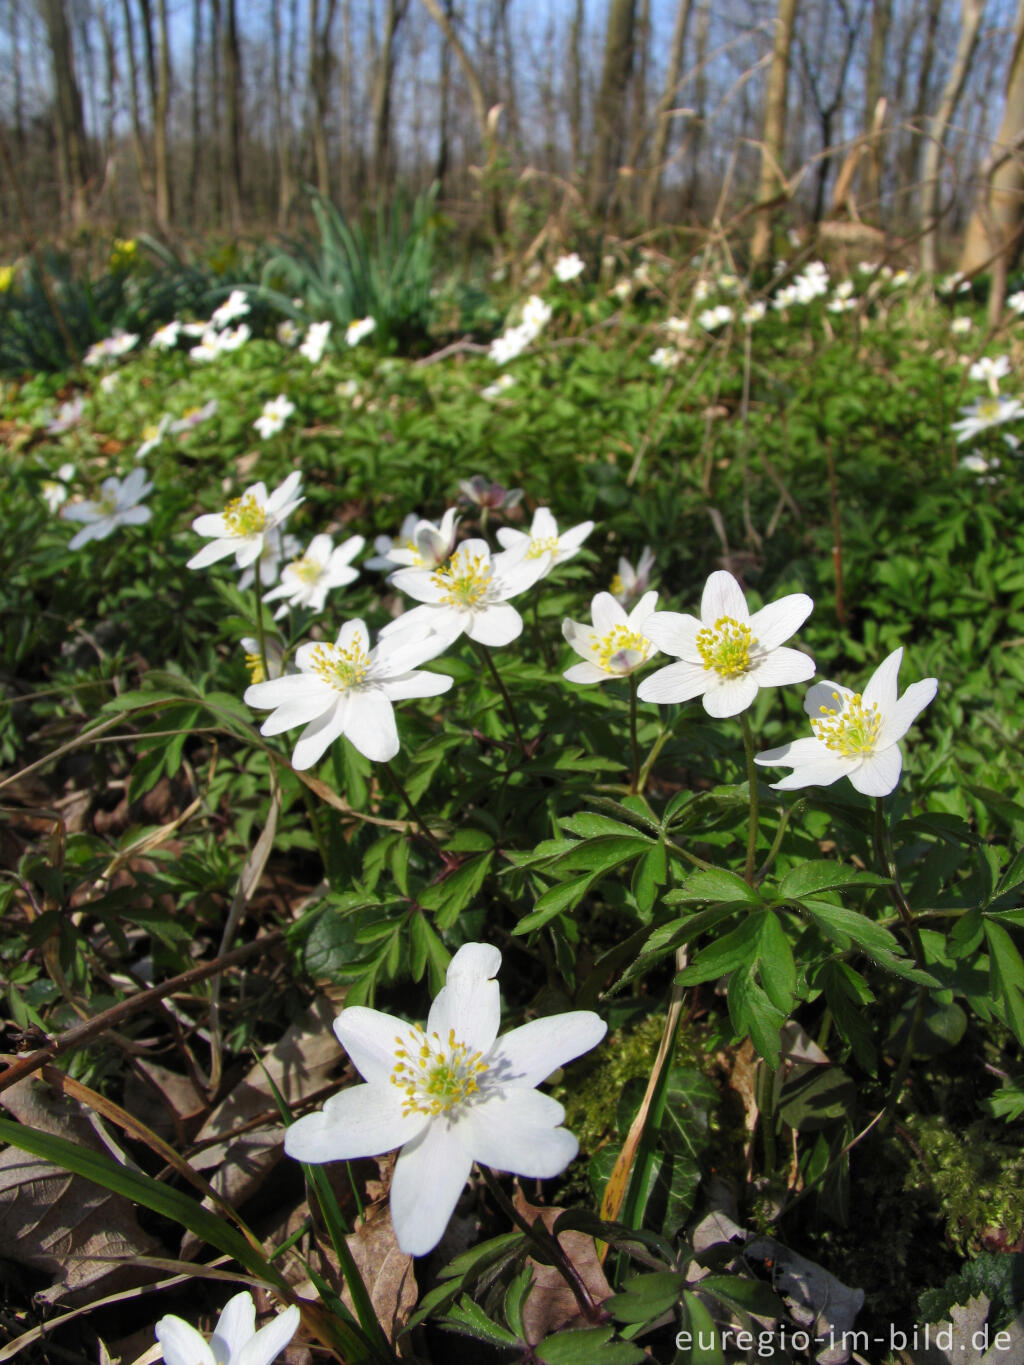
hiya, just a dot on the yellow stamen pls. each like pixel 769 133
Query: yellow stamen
pixel 244 516
pixel 726 647
pixel 849 728
pixel 342 668
pixel 254 664
pixel 464 582
pixel 435 1076
pixel 542 546
pixel 620 650
pixel 309 570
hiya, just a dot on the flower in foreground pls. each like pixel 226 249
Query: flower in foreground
pixel 347 689
pixel 543 542
pixel 855 735
pixel 243 526
pixel 727 654
pixel 117 505
pixel 615 645
pixel 985 413
pixel 469 595
pixel 235 1340
pixel 276 412
pixel 306 582
pixel 448 1095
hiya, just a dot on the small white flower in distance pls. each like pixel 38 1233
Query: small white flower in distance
pixel 315 342
pixel 1015 302
pixel 246 521
pixel 961 326
pixel 276 412
pixel 362 327
pixel 676 327
pixel 976 463
pixel 235 306
pixel 495 497
pixel 468 595
pixel 68 415
pixel 288 332
pixel 989 370
pixel 109 382
pixel 630 584
pixel 193 417
pixel 232 338
pixel 568 267
pixel 899 278
pixel 306 582
pixel 54 491
pixel 110 347
pixel 347 689
pixel 702 289
pixel 855 736
pixel 165 337
pixel 448 1095
pixel 715 317
pixel 152 435
pixel 727 655
pixel 274 650
pixel 117 505
pixel 985 413
pixel 622 289
pixel 235 1340
pixel 512 343
pixel 536 313
pixel 428 545
pixel 666 358
pixel 615 645
pixel 384 545
pixel 495 390
pixel 207 348
pixel 754 313
pixel 543 542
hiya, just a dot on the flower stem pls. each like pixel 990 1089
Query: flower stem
pixel 634 778
pixel 549 1246
pixel 261 634
pixel 485 654
pixel 748 745
pixel 417 818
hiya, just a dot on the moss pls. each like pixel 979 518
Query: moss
pixel 977 1177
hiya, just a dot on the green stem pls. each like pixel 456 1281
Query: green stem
pixel 261 635
pixel 549 1246
pixel 417 818
pixel 652 758
pixel 634 777
pixel 485 653
pixel 748 745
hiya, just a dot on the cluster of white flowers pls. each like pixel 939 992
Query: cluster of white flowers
pixel 110 348
pixel 811 284
pixel 666 357
pixel 513 341
pixel 712 318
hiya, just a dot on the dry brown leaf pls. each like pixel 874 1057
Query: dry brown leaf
pixel 166 1101
pixel 551 1305
pixel 386 1270
pixel 58 1222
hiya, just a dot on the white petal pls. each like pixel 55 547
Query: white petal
pixel 370 725
pixel 362 1120
pixel 675 633
pixel 607 613
pixel 722 596
pixel 265 696
pixel 499 624
pixel 270 1341
pixel 235 1326
pixel 469 1003
pixel 134 516
pixel 210 524
pixel 209 554
pixel 642 611
pixel 247 550
pixel 509 538
pixel 825 696
pixel 544 526
pixel 181 1343
pixel 676 683
pixel 430 1174
pixel 419 584
pixel 585 673
pixel 517 1130
pixel 782 667
pixel 878 773
pixel 896 722
pixel 314 741
pixel 792 755
pixel 883 685
pixel 779 620
pixel 299 710
pixel 729 696
pixel 83 537
pixel 418 684
pixel 528 1054
pixel 821 771
pixel 370 1037
pixel 348 632
pixel 570 541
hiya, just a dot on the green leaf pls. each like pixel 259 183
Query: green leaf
pixel 646 1297
pixel 777 969
pixel 717 885
pixel 808 879
pixel 590 1344
pixel 470 1318
pixel 1006 977
pixel 745 1295
pixel 699 1343
pixel 752 1012
pixel 844 926
pixel 450 896
pixel 725 954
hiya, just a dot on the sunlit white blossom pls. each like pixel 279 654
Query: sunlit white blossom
pixel 119 504
pixel 235 1340
pixel 361 327
pixel 543 540
pixel 246 521
pixel 569 267
pixel 305 582
pixel 276 412
pixel 615 645
pixel 235 306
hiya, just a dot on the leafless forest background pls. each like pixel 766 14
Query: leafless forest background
pixel 187 116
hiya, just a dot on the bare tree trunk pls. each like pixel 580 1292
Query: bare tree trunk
pixel 72 149
pixel 576 88
pixel 970 26
pixel 912 149
pixel 233 115
pixel 383 77
pixel 195 115
pixel 663 113
pixel 700 100
pixel 14 39
pixel 216 103
pixel 138 140
pixel 282 141
pixel 638 121
pixel 615 73
pixel 773 136
pixel 161 159
pixel 445 81
pixel 319 80
pixel 881 21
pixel 995 230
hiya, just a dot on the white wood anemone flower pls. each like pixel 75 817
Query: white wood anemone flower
pixel 855 735
pixel 306 581
pixel 543 542
pixel 347 689
pixel 235 1340
pixel 118 505
pixel 448 1095
pixel 468 595
pixel 727 655
pixel 427 545
pixel 245 523
pixel 615 645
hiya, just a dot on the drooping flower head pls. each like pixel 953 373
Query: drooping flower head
pixel 855 735
pixel 347 689
pixel 235 1340
pixel 118 505
pixel 242 528
pixel 448 1095
pixel 727 654
pixel 630 584
pixel 615 645
pixel 427 545
pixel 490 497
